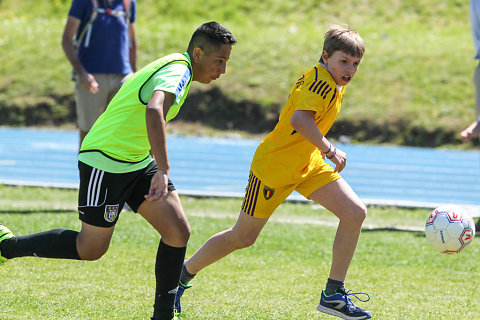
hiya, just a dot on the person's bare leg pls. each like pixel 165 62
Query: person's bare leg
pixel 339 198
pixel 93 242
pixel 242 235
pixel 168 218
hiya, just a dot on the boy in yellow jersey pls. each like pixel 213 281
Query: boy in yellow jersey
pixel 291 158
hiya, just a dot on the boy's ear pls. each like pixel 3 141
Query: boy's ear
pixel 324 56
pixel 197 53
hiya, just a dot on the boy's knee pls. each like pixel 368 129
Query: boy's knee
pixel 360 213
pixel 177 236
pixel 244 242
pixel 92 255
pixel 184 233
pixel 91 252
pixel 356 215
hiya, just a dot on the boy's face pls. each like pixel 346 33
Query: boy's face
pixel 341 66
pixel 208 67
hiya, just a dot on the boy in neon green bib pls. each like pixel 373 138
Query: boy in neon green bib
pixel 123 159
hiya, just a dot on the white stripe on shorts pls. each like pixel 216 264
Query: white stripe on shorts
pixel 94 185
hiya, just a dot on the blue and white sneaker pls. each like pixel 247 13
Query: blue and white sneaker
pixel 5 234
pixel 180 290
pixel 340 305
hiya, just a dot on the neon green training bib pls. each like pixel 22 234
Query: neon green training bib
pixel 118 141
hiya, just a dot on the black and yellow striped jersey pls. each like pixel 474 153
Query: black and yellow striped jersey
pixel 284 156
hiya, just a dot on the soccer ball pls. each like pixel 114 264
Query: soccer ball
pixel 449 229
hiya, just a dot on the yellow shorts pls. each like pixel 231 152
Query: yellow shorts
pixel 261 201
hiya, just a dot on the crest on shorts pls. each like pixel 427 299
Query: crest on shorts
pixel 268 192
pixel 111 212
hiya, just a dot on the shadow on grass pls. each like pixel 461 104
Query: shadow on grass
pixel 29 211
pixel 395 229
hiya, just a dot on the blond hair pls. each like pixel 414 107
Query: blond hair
pixel 343 39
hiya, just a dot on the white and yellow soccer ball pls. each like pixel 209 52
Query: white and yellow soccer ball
pixel 449 229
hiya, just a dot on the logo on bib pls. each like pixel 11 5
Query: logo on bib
pixel 111 212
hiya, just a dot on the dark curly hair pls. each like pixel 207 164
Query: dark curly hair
pixel 209 36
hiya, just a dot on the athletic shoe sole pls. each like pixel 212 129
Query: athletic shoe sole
pixel 340 314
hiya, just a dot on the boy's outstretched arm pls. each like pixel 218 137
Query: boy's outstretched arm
pixel 304 123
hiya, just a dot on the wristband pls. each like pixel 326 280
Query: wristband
pixel 329 148
pixel 334 152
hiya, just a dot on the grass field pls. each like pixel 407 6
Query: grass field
pixel 280 277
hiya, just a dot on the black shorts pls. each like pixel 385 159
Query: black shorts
pixel 102 194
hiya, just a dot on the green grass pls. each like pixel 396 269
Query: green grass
pixel 415 79
pixel 280 277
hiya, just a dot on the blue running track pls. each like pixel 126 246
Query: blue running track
pixel 382 175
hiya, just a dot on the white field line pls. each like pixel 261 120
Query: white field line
pixel 45 206
pixel 306 221
pixel 474 210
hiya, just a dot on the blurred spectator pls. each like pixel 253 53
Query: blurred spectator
pixel 474 129
pixel 100 43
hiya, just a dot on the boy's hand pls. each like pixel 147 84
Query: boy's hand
pixel 158 186
pixel 340 160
